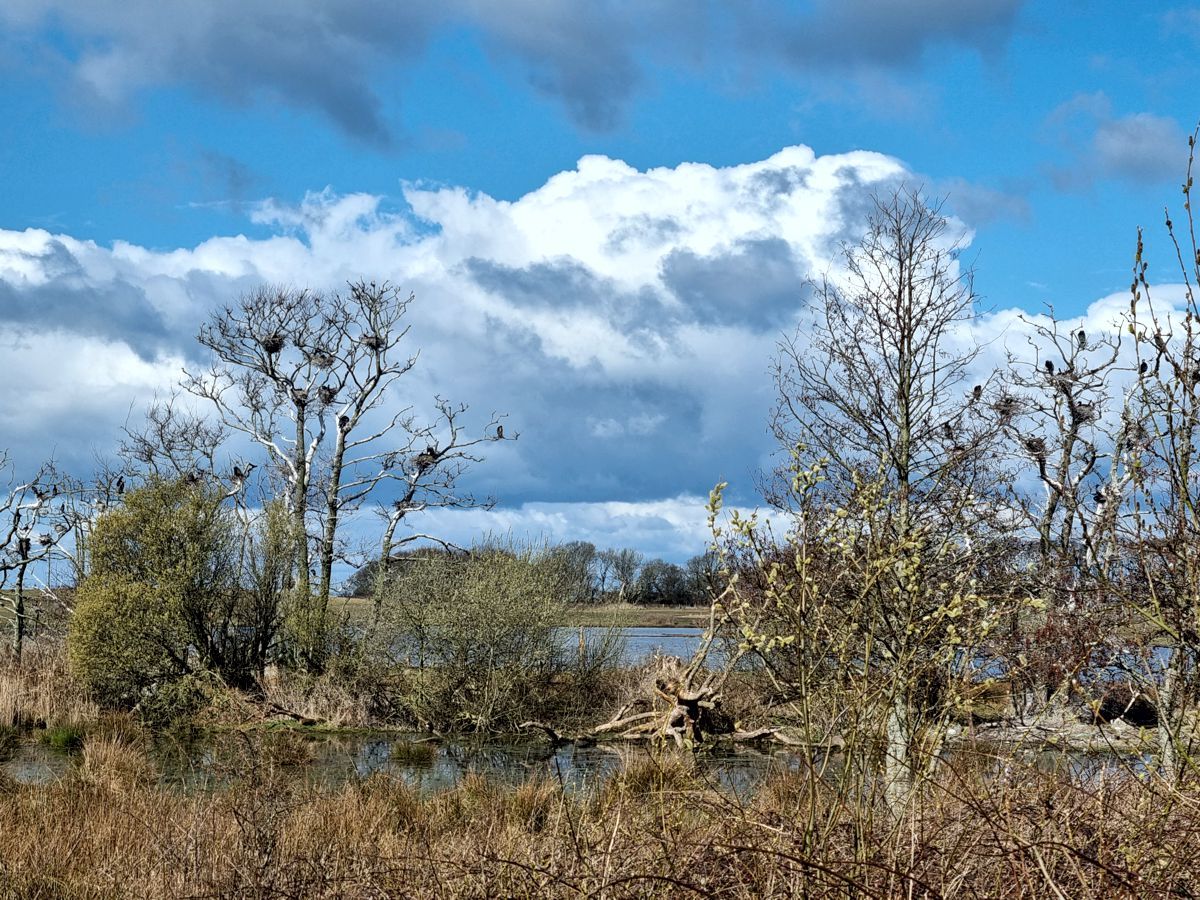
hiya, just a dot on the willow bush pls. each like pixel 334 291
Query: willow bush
pixel 476 639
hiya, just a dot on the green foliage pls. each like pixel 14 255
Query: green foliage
pixel 124 640
pixel 64 738
pixel 168 594
pixel 178 701
pixel 477 638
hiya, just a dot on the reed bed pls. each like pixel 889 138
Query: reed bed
pixel 39 690
pixel 656 828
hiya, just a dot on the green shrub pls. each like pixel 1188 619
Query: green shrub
pixel 178 701
pixel 475 639
pixel 170 594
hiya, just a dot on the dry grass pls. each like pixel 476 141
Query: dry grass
pixel 657 830
pixel 39 690
pixel 327 699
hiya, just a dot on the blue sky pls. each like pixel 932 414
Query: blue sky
pixel 345 139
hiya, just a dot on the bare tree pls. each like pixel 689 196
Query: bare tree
pixel 875 393
pixel 1063 408
pixel 305 376
pixel 622 566
pixel 172 442
pixel 32 523
pixel 1055 409
pixel 1163 524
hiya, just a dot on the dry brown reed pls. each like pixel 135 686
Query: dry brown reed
pixel 38 689
pixel 658 829
pixel 327 699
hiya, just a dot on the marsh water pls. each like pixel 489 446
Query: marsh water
pixel 208 759
pixel 641 643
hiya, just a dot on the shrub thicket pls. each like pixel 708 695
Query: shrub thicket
pixel 476 639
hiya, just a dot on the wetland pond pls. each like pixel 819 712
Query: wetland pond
pixel 203 761
pixel 206 760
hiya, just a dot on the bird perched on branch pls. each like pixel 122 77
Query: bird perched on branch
pixel 499 432
pixel 427 458
pixel 1049 367
pixel 1081 337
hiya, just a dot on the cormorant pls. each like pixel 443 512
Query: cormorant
pixel 427 458
pixel 977 392
pixel 1143 368
pixel 1082 338
pixel 499 432
pixel 1049 367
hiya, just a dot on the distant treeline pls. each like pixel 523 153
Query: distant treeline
pixel 587 574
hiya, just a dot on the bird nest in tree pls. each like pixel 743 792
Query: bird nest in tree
pixel 272 343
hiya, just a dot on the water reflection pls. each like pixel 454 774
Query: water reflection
pixel 208 761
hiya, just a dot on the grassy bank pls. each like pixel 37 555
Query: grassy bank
pixel 656 828
pixel 628 615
